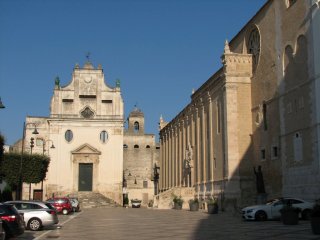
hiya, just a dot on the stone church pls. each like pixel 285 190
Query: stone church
pixel 253 126
pixel 85 139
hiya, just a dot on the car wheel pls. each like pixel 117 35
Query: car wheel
pixel 261 216
pixel 306 214
pixel 65 211
pixel 34 224
pixel 4 235
pixel 6 231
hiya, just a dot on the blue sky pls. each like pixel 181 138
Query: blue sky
pixel 159 49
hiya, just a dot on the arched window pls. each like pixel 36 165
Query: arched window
pixel 136 146
pixel 125 146
pixel 68 135
pixel 136 127
pixel 254 46
pixel 103 136
pixel 147 146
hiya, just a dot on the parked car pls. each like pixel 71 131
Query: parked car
pixel 61 204
pixel 12 221
pixel 271 210
pixel 135 203
pixel 75 204
pixel 36 214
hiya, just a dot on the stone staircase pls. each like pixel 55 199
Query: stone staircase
pixel 164 200
pixel 95 200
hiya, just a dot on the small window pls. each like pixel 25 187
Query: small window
pixel 145 184
pixel 103 136
pixel 263 154
pixel 147 146
pixel 297 147
pixel 136 146
pixel 136 126
pixel 275 152
pixel 125 146
pixel 67 100
pixel 68 135
pixel 264 112
pixel 106 101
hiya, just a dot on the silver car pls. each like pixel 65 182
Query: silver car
pixel 36 214
pixel 271 210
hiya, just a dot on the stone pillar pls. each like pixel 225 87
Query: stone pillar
pixel 237 73
pixel 203 147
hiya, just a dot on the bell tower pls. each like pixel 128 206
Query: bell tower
pixel 136 122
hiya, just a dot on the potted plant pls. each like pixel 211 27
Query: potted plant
pixel 212 205
pixel 315 218
pixel 289 215
pixel 177 202
pixel 194 204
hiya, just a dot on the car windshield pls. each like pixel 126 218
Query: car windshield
pixel 49 206
pixel 272 201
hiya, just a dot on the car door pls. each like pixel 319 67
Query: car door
pixel 297 203
pixel 275 208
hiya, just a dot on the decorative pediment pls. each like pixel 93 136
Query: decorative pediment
pixel 86 149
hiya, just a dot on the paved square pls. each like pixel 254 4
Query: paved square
pixel 146 224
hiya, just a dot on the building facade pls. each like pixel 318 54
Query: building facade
pixel 86 129
pixel 141 156
pixel 260 109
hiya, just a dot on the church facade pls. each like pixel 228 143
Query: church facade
pixel 256 118
pixel 83 136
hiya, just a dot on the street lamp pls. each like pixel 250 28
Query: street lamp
pixel 44 146
pixel 35 131
pixel 1 105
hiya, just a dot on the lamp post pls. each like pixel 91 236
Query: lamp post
pixel 44 146
pixel 43 151
pixel 35 131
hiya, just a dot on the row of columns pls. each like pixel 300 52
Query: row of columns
pixel 195 127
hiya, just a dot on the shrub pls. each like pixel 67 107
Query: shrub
pixel 192 201
pixel 177 200
pixel 212 201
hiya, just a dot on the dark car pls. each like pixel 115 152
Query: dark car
pixel 12 221
pixel 61 204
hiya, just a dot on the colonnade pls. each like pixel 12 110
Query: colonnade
pixel 197 126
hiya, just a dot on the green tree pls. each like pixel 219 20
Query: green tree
pixel 33 168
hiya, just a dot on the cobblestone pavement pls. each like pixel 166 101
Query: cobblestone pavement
pixel 148 224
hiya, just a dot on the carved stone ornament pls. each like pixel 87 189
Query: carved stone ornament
pixel 87 113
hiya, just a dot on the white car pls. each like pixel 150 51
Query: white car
pixel 36 214
pixel 271 210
